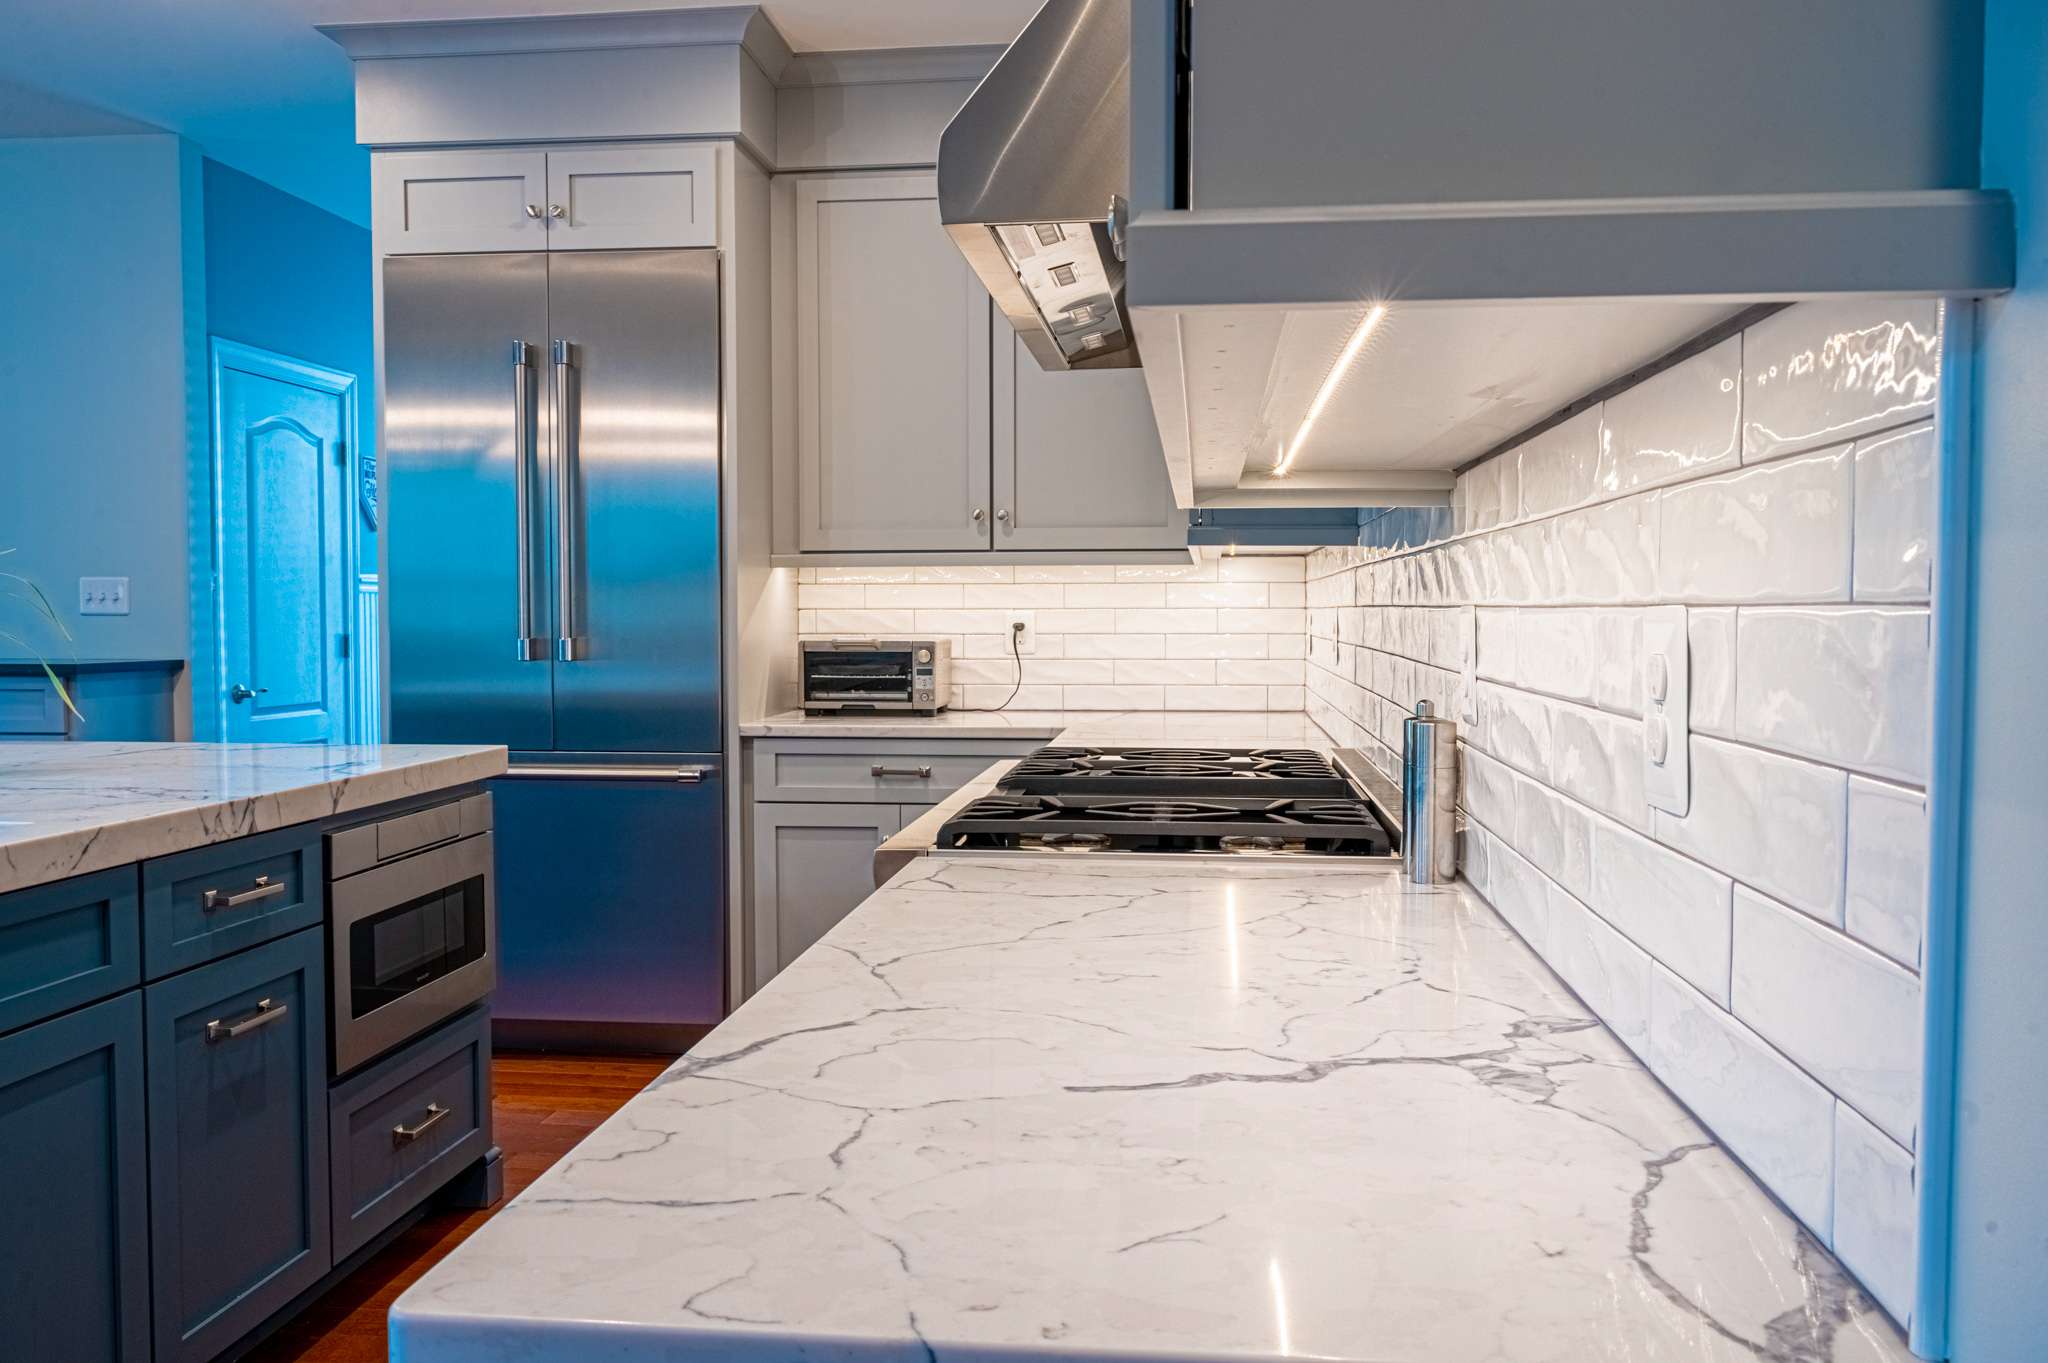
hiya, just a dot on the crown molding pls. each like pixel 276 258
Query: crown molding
pixel 743 26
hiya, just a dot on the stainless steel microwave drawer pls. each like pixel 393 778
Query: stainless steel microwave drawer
pixel 863 772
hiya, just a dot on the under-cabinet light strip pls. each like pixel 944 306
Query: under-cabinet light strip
pixel 1336 376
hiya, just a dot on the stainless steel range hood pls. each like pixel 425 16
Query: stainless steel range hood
pixel 1370 244
pixel 1032 173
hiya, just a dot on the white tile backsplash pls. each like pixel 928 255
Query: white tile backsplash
pixel 1675 425
pixel 1759 951
pixel 1845 686
pixel 1774 1116
pixel 1875 1214
pixel 1885 900
pixel 1848 1016
pixel 1895 515
pixel 1825 372
pixel 1780 532
pixel 1227 634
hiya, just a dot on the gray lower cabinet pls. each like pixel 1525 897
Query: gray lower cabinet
pixel 74 1265
pixel 238 1190
pixel 813 865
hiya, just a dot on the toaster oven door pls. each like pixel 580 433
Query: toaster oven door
pixel 850 677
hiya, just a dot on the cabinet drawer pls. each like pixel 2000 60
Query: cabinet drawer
pixel 796 769
pixel 212 901
pixel 67 943
pixel 237 1080
pixel 404 1127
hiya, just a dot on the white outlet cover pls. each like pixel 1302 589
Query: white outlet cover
pixel 1027 642
pixel 1667 783
pixel 102 596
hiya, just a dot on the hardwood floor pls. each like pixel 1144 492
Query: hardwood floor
pixel 541 1106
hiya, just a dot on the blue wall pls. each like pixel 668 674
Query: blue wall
pixel 1998 1283
pixel 287 277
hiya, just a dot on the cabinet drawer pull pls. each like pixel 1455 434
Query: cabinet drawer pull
pixel 879 770
pixel 405 1135
pixel 267 1012
pixel 264 888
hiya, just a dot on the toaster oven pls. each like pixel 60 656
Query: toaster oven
pixel 882 675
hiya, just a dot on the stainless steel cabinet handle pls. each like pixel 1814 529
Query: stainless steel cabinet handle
pixel 562 771
pixel 264 888
pixel 1003 515
pixel 533 210
pixel 267 1012
pixel 570 645
pixel 529 647
pixel 557 212
pixel 403 1134
pixel 977 515
pixel 879 770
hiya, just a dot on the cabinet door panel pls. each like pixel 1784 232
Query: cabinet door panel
pixel 626 197
pixel 74 1263
pixel 237 1142
pixel 892 371
pixel 426 203
pixel 813 865
pixel 1078 464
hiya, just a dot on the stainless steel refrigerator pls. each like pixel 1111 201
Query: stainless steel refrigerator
pixel 551 431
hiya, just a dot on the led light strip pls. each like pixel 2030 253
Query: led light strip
pixel 1323 394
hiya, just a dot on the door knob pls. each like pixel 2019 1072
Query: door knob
pixel 239 693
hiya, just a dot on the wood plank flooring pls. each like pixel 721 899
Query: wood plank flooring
pixel 541 1105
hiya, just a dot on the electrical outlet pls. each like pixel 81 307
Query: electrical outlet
pixel 102 596
pixel 1024 625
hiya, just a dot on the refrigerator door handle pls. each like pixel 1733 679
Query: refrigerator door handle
pixel 570 645
pixel 562 771
pixel 530 647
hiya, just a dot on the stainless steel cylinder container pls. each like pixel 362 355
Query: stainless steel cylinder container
pixel 1429 797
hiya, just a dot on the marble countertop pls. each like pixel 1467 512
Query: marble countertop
pixel 1013 1110
pixel 70 808
pixel 1243 728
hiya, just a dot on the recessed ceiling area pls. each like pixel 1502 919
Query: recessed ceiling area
pixel 255 86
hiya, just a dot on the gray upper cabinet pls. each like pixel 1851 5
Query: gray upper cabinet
pixel 922 424
pixel 438 201
pixel 892 371
pixel 623 198
pixel 565 199
pixel 1078 464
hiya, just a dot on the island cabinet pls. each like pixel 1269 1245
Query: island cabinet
pixel 169 1116
pixel 237 1059
pixel 920 422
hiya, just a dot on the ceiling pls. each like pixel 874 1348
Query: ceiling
pixel 255 86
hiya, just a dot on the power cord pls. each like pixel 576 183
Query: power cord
pixel 1017 654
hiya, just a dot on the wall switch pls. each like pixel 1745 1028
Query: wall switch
pixel 102 596
pixel 1024 626
pixel 1667 706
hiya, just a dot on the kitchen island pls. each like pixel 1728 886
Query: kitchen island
pixel 195 1140
pixel 1051 1107
pixel 70 808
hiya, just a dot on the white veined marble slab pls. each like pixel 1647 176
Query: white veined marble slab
pixel 1075 1109
pixel 70 808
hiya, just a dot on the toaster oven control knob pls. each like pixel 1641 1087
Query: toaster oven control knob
pixel 924 655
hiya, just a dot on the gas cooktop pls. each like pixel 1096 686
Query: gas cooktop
pixel 1237 801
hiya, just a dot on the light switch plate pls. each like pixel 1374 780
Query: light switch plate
pixel 102 596
pixel 1666 687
